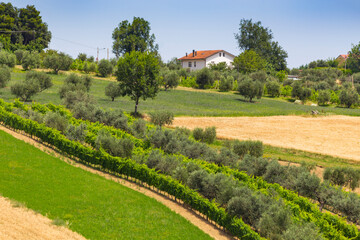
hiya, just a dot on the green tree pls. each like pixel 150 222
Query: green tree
pixel 250 89
pixel 25 89
pixel 113 90
pixel 7 58
pixel 204 78
pixel 348 97
pixel 105 68
pixel 253 36
pixel 31 32
pixel 82 57
pixel 5 76
pixel 30 60
pixel 273 88
pixel 138 75
pixel 42 78
pixel 323 97
pixel 170 79
pixel 57 62
pixel 353 62
pixel 133 36
pixel 161 118
pixel 249 61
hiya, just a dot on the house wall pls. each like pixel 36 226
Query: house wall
pixel 199 64
pixel 217 59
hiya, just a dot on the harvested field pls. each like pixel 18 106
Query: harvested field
pixel 332 135
pixel 21 223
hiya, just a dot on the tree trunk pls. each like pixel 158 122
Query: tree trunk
pixel 136 105
pixel 112 98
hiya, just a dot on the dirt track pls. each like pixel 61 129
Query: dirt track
pixel 332 135
pixel 177 207
pixel 21 223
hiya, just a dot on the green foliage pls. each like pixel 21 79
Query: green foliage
pixel 133 36
pixel 75 83
pixel 188 82
pixel 353 61
pixel 348 97
pixel 7 58
pixel 138 76
pixel 221 66
pixel 76 133
pixel 42 78
pixel 281 75
pixel 19 53
pixel 249 61
pixel 273 88
pixel 82 57
pixel 302 232
pixel 204 78
pixel 253 36
pixel 253 148
pixel 32 35
pixel 92 67
pixel 105 68
pixel 30 60
pixel 58 61
pixel 114 146
pixel 286 91
pixel 161 118
pixel 5 75
pixel 113 90
pixel 170 79
pixel 323 97
pixel 226 84
pixel 250 89
pixel 342 176
pixel 207 135
pixel 25 89
pixel 56 120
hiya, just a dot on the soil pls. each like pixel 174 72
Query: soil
pixel 176 206
pixel 331 135
pixel 17 222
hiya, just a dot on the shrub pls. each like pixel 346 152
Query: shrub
pixel 273 88
pixel 105 68
pixel 19 53
pixel 253 148
pixel 250 89
pixel 255 166
pixel 25 89
pixel 7 58
pixel 349 97
pixel 77 133
pixel 58 61
pixel 170 80
pixel 75 83
pixel 226 84
pixel 42 78
pixel 138 128
pixel 56 120
pixel 92 67
pixel 116 147
pixel 30 60
pixel 207 135
pixel 204 78
pixel 5 76
pixel 323 97
pixel 161 118
pixel 113 90
pixel 188 82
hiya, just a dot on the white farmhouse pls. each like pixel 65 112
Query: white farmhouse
pixel 200 59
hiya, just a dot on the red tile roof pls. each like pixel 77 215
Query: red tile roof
pixel 344 55
pixel 200 54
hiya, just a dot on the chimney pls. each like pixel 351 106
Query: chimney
pixel 186 54
pixel 193 53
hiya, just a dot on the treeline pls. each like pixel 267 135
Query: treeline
pixel 169 163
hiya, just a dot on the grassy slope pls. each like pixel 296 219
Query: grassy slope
pixel 182 102
pixel 96 208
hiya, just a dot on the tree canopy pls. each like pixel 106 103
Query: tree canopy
pixel 22 28
pixel 133 36
pixel 353 62
pixel 249 61
pixel 138 75
pixel 253 36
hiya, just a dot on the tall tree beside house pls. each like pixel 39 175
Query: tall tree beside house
pixel 133 36
pixel 253 36
pixel 353 62
pixel 249 61
pixel 23 28
pixel 138 76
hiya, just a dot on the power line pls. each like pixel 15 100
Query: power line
pixel 76 43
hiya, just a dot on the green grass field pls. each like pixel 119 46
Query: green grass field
pixel 184 103
pixel 95 207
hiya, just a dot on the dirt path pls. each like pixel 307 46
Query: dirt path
pixel 21 223
pixel 332 135
pixel 177 207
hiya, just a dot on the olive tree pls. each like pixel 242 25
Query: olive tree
pixel 161 118
pixel 105 68
pixel 113 90
pixel 5 76
pixel 250 89
pixel 57 61
pixel 138 76
pixel 348 97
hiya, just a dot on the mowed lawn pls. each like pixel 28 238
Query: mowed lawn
pixel 183 102
pixel 95 207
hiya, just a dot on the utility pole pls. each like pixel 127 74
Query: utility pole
pixel 97 56
pixel 108 54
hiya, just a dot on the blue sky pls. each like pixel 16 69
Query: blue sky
pixel 307 30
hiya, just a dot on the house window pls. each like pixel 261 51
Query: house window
pixel 189 64
pixel 195 64
pixel 219 54
pixel 223 54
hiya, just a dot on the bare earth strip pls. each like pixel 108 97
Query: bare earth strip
pixel 332 135
pixel 22 223
pixel 177 207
